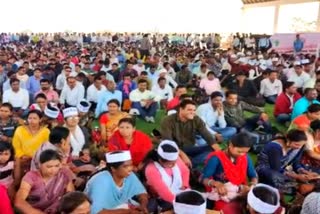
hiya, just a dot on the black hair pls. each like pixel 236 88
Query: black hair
pixel 230 92
pixel 296 135
pixel 317 81
pixel 180 86
pixel 288 84
pixel 7 105
pixel 165 64
pixel 313 108
pixel 185 102
pixel 115 101
pixel 307 90
pixel 185 96
pixel 48 155
pixel 216 94
pixel 41 95
pixel 57 134
pixel 211 72
pixel 35 111
pixel 266 195
pixel 70 201
pixel 97 77
pixel 241 140
pixel 142 81
pixel 6 146
pixel 44 80
pixel 143 73
pixel 315 125
pixel 127 120
pixel 13 80
pixel 190 198
pixel 161 78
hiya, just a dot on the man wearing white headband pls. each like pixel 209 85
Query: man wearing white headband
pixel 189 202
pixel 112 190
pixel 263 199
pixel 166 174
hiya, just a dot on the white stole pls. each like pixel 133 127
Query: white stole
pixel 175 183
pixel 77 141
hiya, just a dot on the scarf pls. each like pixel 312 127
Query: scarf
pixel 235 173
pixel 126 86
pixel 174 183
pixel 77 141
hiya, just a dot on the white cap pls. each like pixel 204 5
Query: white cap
pixel 260 206
pixel 305 61
pixel 52 112
pixel 69 112
pixel 119 156
pixel 170 156
pixel 184 208
pixel 83 106
pixel 162 71
pixel 297 63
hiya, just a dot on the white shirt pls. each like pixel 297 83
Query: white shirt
pixel 72 96
pixel 301 80
pixel 268 88
pixel 62 80
pixel 139 69
pixel 136 95
pixel 165 93
pixel 18 99
pixel 93 93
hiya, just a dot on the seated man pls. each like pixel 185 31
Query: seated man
pixel 163 90
pixel 16 96
pixel 301 106
pixel 271 87
pixel 145 101
pixel 213 115
pixel 210 83
pixel 112 190
pixel 174 102
pixel 246 89
pixel 234 114
pixel 285 101
pixel 183 127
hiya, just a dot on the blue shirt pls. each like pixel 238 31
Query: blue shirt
pixel 214 169
pixel 104 98
pixel 33 85
pixel 298 45
pixel 301 106
pixel 104 193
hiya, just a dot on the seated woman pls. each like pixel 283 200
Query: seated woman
pixel 128 138
pixel 126 86
pixel 210 83
pixel 112 189
pixel 261 199
pixel 79 136
pixel 303 121
pixel 166 174
pixel 109 120
pixel 7 167
pixel 225 173
pixel 247 90
pixel 26 141
pixel 41 190
pixel 278 164
pixel 5 205
pixel 74 203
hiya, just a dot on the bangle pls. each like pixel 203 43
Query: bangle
pixel 209 183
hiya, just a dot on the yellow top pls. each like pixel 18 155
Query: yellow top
pixel 25 143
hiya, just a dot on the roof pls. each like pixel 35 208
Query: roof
pixel 255 1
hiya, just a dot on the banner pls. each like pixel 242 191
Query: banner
pixel 283 42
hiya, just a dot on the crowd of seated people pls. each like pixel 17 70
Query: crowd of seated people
pixel 74 108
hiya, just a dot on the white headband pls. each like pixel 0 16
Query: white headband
pixel 260 206
pixel 52 113
pixel 118 157
pixel 69 112
pixel 170 156
pixel 181 208
pixel 83 108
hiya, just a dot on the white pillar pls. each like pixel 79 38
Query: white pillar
pixel 318 20
pixel 276 18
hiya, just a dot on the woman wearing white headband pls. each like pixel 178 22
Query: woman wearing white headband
pixel 166 174
pixel 261 199
pixel 112 189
